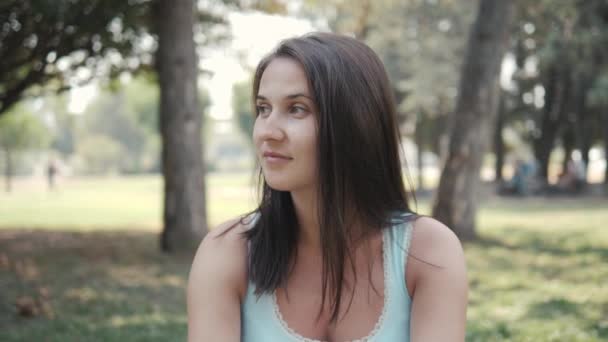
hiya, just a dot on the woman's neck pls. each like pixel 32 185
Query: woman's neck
pixel 306 208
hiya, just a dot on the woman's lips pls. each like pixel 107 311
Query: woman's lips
pixel 275 158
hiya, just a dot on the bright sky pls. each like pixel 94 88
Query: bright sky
pixel 254 34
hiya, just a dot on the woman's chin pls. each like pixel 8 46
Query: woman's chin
pixel 286 181
pixel 278 185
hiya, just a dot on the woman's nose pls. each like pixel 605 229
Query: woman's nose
pixel 271 127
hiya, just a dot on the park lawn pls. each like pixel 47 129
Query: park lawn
pixel 132 202
pixel 538 273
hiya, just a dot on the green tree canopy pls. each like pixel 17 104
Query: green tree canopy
pixel 20 130
pixel 61 43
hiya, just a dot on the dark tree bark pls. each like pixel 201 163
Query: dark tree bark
pixel 568 142
pixel 420 169
pixel 584 129
pixel 499 144
pixel 585 147
pixel 8 170
pixel 419 139
pixel 557 87
pixel 605 119
pixel 456 199
pixel 184 215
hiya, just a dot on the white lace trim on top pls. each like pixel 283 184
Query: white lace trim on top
pixel 297 337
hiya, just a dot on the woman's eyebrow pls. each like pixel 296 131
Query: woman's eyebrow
pixel 291 96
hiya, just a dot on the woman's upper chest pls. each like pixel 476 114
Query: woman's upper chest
pixel 291 315
pixel 300 306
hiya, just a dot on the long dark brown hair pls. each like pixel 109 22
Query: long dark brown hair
pixel 359 164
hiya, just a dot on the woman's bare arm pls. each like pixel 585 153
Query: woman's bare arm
pixel 217 283
pixel 440 294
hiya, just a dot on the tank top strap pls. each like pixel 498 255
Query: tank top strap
pixel 397 242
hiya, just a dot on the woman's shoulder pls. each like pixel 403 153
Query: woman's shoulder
pixel 221 257
pixel 433 243
pixel 433 240
pixel 229 232
pixel 440 288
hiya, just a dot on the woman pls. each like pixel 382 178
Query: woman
pixel 333 252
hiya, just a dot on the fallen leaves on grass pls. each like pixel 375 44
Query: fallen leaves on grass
pixel 32 306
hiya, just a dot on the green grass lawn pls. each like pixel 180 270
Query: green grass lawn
pixel 85 258
pixel 132 203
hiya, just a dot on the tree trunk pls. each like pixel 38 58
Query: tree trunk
pixel 456 200
pixel 584 129
pixel 184 215
pixel 585 147
pixel 499 144
pixel 568 145
pixel 420 169
pixel 557 89
pixel 418 135
pixel 605 117
pixel 8 170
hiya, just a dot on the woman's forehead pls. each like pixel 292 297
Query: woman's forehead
pixel 283 77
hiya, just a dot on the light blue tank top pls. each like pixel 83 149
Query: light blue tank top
pixel 261 319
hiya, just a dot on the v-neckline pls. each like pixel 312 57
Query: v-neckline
pixel 299 338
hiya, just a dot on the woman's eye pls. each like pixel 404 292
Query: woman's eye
pixel 261 109
pixel 297 110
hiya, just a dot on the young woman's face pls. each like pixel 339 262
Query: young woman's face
pixel 285 129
